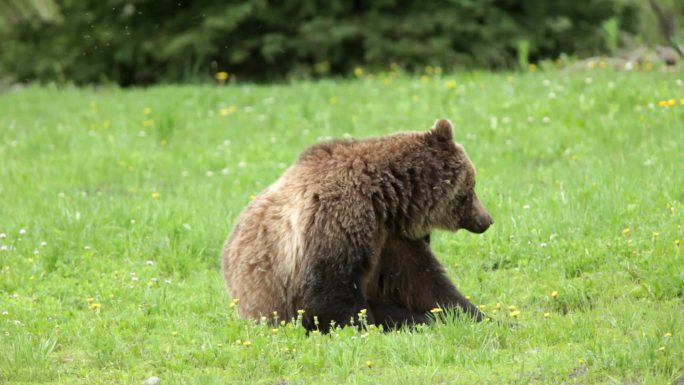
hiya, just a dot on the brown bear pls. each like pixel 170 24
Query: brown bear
pixel 347 228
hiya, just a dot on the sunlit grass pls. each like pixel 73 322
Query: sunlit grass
pixel 114 205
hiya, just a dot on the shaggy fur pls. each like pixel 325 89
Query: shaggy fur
pixel 347 228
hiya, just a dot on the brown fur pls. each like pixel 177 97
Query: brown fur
pixel 344 229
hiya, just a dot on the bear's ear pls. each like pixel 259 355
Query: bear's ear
pixel 442 130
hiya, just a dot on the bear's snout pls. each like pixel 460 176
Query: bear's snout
pixel 478 220
pixel 482 223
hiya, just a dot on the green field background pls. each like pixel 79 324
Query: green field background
pixel 114 205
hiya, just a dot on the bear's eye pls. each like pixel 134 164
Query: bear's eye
pixel 465 199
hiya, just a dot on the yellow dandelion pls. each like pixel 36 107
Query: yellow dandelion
pixel 546 315
pixel 514 313
pixel 247 343
pixel 655 234
pixel 677 242
pixel 482 306
pixel 148 123
pixel 554 294
pixel 451 84
pixel 222 76
pixel 275 330
pixel 225 111
pixel 363 312
pixel 155 195
pixel 252 197
pixel 626 230
pixel 436 310
pixel 668 334
pixel 498 305
pixel 147 110
pixel 369 363
pixel 681 101
pixel 467 297
pixel 661 349
pixel 358 72
pixel 90 299
pixel 174 333
pixel 671 102
pixel 662 103
pixel 95 306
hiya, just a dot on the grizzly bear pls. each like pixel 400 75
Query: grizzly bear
pixel 347 228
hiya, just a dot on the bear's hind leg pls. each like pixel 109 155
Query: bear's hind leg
pixel 333 295
pixel 391 316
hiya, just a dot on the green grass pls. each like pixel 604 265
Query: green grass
pixel 586 188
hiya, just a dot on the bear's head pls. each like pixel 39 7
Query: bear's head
pixel 458 206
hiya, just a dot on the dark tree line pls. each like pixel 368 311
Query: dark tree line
pixel 145 41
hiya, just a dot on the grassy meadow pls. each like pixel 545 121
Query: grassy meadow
pixel 114 205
